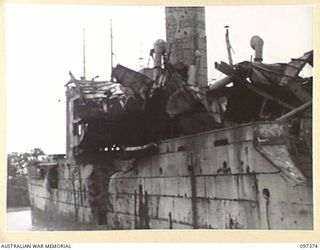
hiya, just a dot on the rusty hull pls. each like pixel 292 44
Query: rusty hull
pixel 183 186
pixel 220 179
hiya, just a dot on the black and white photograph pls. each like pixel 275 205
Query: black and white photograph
pixel 159 117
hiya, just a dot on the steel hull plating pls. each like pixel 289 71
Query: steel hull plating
pixel 221 179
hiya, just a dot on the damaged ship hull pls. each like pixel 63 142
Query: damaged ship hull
pixel 240 177
pixel 170 152
pixel 219 180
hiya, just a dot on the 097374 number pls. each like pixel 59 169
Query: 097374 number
pixel 307 246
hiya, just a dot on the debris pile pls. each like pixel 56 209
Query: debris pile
pixel 137 110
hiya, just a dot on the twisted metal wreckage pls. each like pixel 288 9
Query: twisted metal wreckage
pixel 161 149
pixel 137 110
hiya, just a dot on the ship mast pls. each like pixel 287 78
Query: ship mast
pixel 84 52
pixel 111 50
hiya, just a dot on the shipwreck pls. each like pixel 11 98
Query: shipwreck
pixel 161 149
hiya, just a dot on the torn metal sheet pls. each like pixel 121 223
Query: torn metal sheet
pixel 295 66
pixel 279 156
pixel 139 83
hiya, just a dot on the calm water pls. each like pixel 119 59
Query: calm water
pixel 19 219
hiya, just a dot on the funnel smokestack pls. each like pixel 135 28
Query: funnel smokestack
pixel 256 43
pixel 186 40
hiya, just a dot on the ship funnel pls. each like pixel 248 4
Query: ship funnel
pixel 256 43
pixel 186 40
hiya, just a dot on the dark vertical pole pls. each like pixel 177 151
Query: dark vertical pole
pixel 111 50
pixel 194 199
pixel 135 210
pixel 146 211
pixel 170 220
pixel 140 209
pixel 193 193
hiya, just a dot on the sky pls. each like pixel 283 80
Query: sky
pixel 44 42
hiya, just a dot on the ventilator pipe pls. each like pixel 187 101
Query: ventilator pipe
pixel 192 74
pixel 159 50
pixel 256 43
